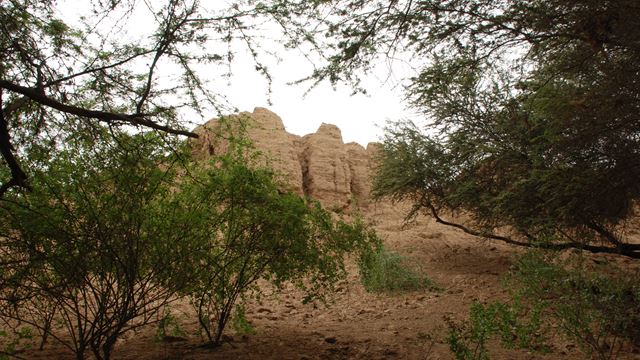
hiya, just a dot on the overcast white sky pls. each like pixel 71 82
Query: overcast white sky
pixel 360 117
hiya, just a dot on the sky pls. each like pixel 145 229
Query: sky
pixel 361 118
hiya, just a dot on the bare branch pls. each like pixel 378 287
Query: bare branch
pixel 97 69
pixel 629 250
pixel 104 116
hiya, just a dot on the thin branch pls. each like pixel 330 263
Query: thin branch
pixel 629 250
pixel 97 69
pixel 166 41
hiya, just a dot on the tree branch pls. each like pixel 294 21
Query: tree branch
pixel 90 70
pixel 104 116
pixel 629 250
pixel 18 177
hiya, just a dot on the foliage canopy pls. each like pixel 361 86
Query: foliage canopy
pixel 246 228
pixel 127 63
pixel 82 251
pixel 532 110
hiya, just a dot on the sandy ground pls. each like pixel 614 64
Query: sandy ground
pixel 357 324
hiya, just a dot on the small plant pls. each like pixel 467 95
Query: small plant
pixel 427 342
pixel 10 347
pixel 597 307
pixel 169 327
pixel 387 271
pixel 240 323
pixel 515 327
pixel 466 343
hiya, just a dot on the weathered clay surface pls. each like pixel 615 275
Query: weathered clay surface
pixel 359 166
pixel 266 130
pixel 318 165
pixel 326 172
pixel 269 136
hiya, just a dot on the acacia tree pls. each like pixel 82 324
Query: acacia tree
pixel 532 111
pixel 61 76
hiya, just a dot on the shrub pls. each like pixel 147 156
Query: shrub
pixel 468 340
pixel 598 308
pixel 169 327
pixel 110 235
pixel 83 251
pixel 386 271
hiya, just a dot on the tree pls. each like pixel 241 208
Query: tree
pixel 532 109
pixel 61 76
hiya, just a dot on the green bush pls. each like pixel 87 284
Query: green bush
pixel 598 307
pixel 387 271
pixel 511 323
pixel 114 231
pixel 240 323
pixel 11 343
pixel 82 251
pixel 168 327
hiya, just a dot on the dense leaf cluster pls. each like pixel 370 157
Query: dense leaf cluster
pixel 532 109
